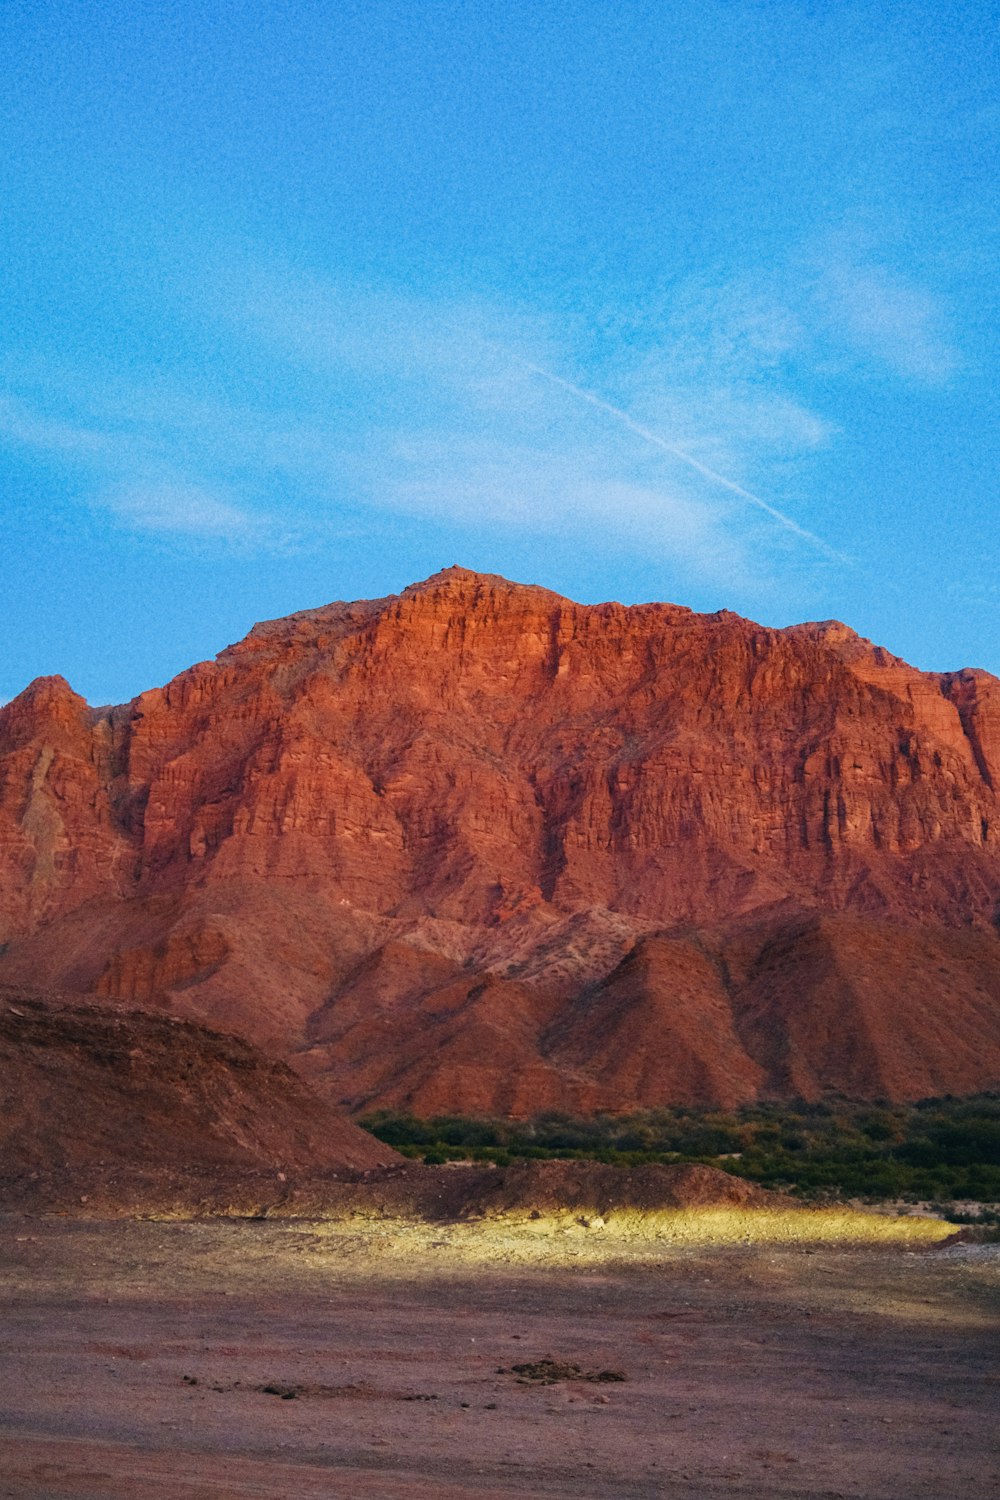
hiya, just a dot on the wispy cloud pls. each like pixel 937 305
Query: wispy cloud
pixel 20 424
pixel 881 317
pixel 673 451
pixel 464 383
pixel 688 432
pixel 185 509
pixel 141 457
pixel 554 494
pixel 715 375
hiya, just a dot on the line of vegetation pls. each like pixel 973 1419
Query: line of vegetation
pixel 938 1150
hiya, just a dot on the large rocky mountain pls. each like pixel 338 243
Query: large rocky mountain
pixel 476 847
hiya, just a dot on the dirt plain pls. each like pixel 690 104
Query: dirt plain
pixel 222 1359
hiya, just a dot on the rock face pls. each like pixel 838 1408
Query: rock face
pixel 477 847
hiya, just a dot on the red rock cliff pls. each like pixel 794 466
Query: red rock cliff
pixel 519 785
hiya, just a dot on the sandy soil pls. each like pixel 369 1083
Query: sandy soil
pixel 136 1357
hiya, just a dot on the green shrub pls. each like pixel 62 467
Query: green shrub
pixel 940 1148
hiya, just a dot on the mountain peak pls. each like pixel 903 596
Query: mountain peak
pixel 462 581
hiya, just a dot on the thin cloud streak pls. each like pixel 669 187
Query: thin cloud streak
pixel 406 406
pixel 693 463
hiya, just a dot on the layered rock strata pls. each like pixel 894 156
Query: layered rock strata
pixel 477 847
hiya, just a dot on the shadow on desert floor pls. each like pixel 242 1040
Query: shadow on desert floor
pixel 226 1359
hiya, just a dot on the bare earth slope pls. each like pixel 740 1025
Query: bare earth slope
pixel 477 847
pixel 98 1103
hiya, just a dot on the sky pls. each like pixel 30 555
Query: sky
pixel 634 300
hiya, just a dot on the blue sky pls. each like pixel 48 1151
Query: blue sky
pixel 638 300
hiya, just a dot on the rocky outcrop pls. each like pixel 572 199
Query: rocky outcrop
pixel 60 840
pixel 486 776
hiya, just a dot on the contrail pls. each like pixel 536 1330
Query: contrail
pixel 692 463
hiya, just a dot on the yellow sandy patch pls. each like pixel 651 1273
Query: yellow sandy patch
pixel 563 1236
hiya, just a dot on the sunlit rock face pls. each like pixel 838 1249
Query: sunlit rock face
pixel 416 841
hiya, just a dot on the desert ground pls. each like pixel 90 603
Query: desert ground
pixel 217 1359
